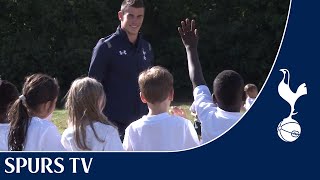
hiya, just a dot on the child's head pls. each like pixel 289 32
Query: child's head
pixel 39 97
pixel 228 90
pixel 85 101
pixel 251 90
pixel 8 94
pixel 156 85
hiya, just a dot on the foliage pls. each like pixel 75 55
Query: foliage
pixel 57 37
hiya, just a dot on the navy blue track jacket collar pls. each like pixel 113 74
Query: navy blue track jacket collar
pixel 122 33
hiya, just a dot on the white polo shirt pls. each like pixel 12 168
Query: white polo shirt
pixel 248 103
pixel 4 128
pixel 42 135
pixel 108 134
pixel 162 132
pixel 214 121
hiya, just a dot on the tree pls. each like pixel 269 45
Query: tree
pixel 57 37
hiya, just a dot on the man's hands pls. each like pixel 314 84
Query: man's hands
pixel 189 33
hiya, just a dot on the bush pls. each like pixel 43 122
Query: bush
pixel 57 37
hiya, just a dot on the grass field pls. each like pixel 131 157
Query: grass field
pixel 60 116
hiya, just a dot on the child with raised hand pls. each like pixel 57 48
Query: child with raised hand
pixel 29 131
pixel 88 128
pixel 159 131
pixel 221 113
pixel 8 94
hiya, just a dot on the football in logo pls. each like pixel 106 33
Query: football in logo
pixel 289 130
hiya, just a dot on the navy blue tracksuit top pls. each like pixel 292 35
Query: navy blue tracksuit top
pixel 117 63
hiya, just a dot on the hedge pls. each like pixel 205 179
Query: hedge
pixel 57 37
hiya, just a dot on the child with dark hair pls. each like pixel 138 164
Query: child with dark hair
pixel 221 113
pixel 8 94
pixel 159 131
pixel 29 131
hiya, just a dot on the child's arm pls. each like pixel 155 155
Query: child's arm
pixel 189 36
pixel 127 146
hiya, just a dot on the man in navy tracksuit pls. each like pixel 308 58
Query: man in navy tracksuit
pixel 117 61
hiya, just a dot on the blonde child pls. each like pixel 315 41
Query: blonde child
pixel 159 131
pixel 251 91
pixel 8 94
pixel 29 131
pixel 88 128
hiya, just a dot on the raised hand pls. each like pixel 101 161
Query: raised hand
pixel 189 37
pixel 189 33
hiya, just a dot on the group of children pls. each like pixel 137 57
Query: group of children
pixel 25 119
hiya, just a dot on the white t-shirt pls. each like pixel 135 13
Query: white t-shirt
pixel 249 102
pixel 162 132
pixel 42 135
pixel 4 128
pixel 108 134
pixel 214 121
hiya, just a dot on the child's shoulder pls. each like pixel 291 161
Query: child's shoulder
pixel 4 128
pixel 41 125
pixel 36 121
pixel 4 125
pixel 178 119
pixel 103 127
pixel 138 122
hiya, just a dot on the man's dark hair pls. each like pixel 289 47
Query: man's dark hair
pixel 228 88
pixel 131 3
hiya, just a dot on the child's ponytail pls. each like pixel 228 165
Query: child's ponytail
pixel 37 89
pixel 19 121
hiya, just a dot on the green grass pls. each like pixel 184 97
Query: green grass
pixel 185 107
pixel 60 116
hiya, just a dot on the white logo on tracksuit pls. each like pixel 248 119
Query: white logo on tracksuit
pixel 144 54
pixel 124 52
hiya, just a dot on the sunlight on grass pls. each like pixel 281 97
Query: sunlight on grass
pixel 187 111
pixel 60 116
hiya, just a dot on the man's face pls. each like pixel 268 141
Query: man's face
pixel 131 20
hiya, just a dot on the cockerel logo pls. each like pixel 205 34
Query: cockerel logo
pixel 289 129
